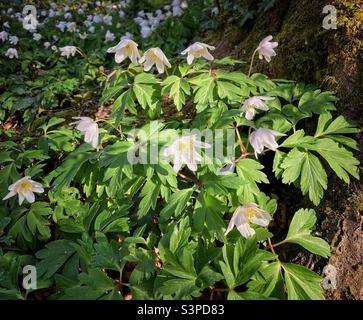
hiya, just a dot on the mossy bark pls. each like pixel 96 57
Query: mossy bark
pixel 332 59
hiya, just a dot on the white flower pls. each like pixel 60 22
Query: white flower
pixel 71 26
pixel 109 36
pixel 264 138
pixel 46 44
pixel 184 5
pixel 266 48
pixel 146 31
pixel 89 128
pixel 61 25
pixel 68 51
pixel 197 50
pixel 4 36
pixel 255 102
pixel 37 36
pixel 6 24
pixel 154 56
pixel 83 35
pixel 54 48
pixel 24 188
pixel 128 36
pixel 13 40
pixel 177 11
pixel 184 150
pixel 126 48
pixel 91 29
pixel 107 19
pixel 11 53
pixel 97 18
pixel 51 13
pixel 244 216
pixel 68 15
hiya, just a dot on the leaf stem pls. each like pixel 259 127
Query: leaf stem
pixel 279 243
pixel 242 147
pixel 253 57
pixel 271 246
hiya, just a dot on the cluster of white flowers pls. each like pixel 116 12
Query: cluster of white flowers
pixel 127 48
pixel 149 21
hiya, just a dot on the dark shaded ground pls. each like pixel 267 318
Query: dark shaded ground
pixel 333 59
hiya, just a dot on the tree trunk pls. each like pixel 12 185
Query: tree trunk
pixel 332 59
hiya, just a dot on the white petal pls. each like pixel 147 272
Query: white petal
pixel 160 67
pixel 263 220
pixel 119 57
pixel 9 195
pixel 190 59
pixel 177 164
pixel 29 196
pixel 148 64
pixel 229 228
pixel 142 60
pixel 208 56
pixel 192 166
pixel 250 113
pixel 21 198
pixel 245 230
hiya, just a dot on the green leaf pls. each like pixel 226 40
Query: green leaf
pixel 149 195
pixel 54 256
pixel 65 173
pixel 248 295
pixel 251 170
pixel 340 159
pixel 107 256
pixel 307 167
pixel 228 90
pixel 268 281
pixel 94 285
pixel 37 220
pixel 204 92
pixel 178 88
pixel 176 204
pixel 301 283
pixel 241 262
pixel 109 93
pixel 300 233
pixel 317 101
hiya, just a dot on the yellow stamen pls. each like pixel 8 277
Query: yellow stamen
pixel 23 186
pixel 250 106
pixel 153 56
pixel 197 52
pixel 186 146
pixel 252 213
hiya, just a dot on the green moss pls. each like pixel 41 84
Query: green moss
pixel 307 52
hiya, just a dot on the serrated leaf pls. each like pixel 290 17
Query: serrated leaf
pixel 307 167
pixel 301 283
pixel 300 233
pixel 251 170
pixel 176 203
